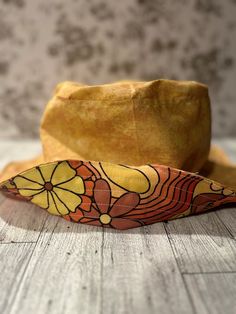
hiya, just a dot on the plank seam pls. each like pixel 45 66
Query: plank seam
pixel 178 266
pixel 222 221
pixel 210 272
pixel 21 281
pixel 101 273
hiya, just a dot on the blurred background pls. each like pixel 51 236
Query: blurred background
pixel 92 41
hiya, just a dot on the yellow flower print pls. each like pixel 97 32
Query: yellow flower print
pixel 53 186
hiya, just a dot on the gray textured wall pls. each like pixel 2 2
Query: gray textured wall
pixel 43 42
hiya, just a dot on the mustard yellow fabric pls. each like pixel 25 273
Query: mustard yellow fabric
pixel 134 123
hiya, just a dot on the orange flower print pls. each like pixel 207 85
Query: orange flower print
pixel 104 214
pixel 88 178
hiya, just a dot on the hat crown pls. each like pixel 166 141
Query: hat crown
pixel 159 122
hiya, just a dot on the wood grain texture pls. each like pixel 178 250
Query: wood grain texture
pixel 140 274
pixel 202 244
pixel 228 217
pixel 64 275
pixel 213 293
pixel 20 222
pixel 14 259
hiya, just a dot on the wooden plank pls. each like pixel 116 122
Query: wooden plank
pixel 213 293
pixel 14 259
pixel 140 274
pixel 64 275
pixel 202 244
pixel 228 217
pixel 20 221
pixel 131 271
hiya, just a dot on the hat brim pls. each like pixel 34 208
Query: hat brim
pixel 118 196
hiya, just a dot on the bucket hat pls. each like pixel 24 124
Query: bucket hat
pixel 124 155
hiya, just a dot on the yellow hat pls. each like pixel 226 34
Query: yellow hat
pixel 125 154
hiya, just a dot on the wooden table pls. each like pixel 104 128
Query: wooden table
pixel 48 265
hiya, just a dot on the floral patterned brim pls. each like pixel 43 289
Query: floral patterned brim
pixel 116 196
